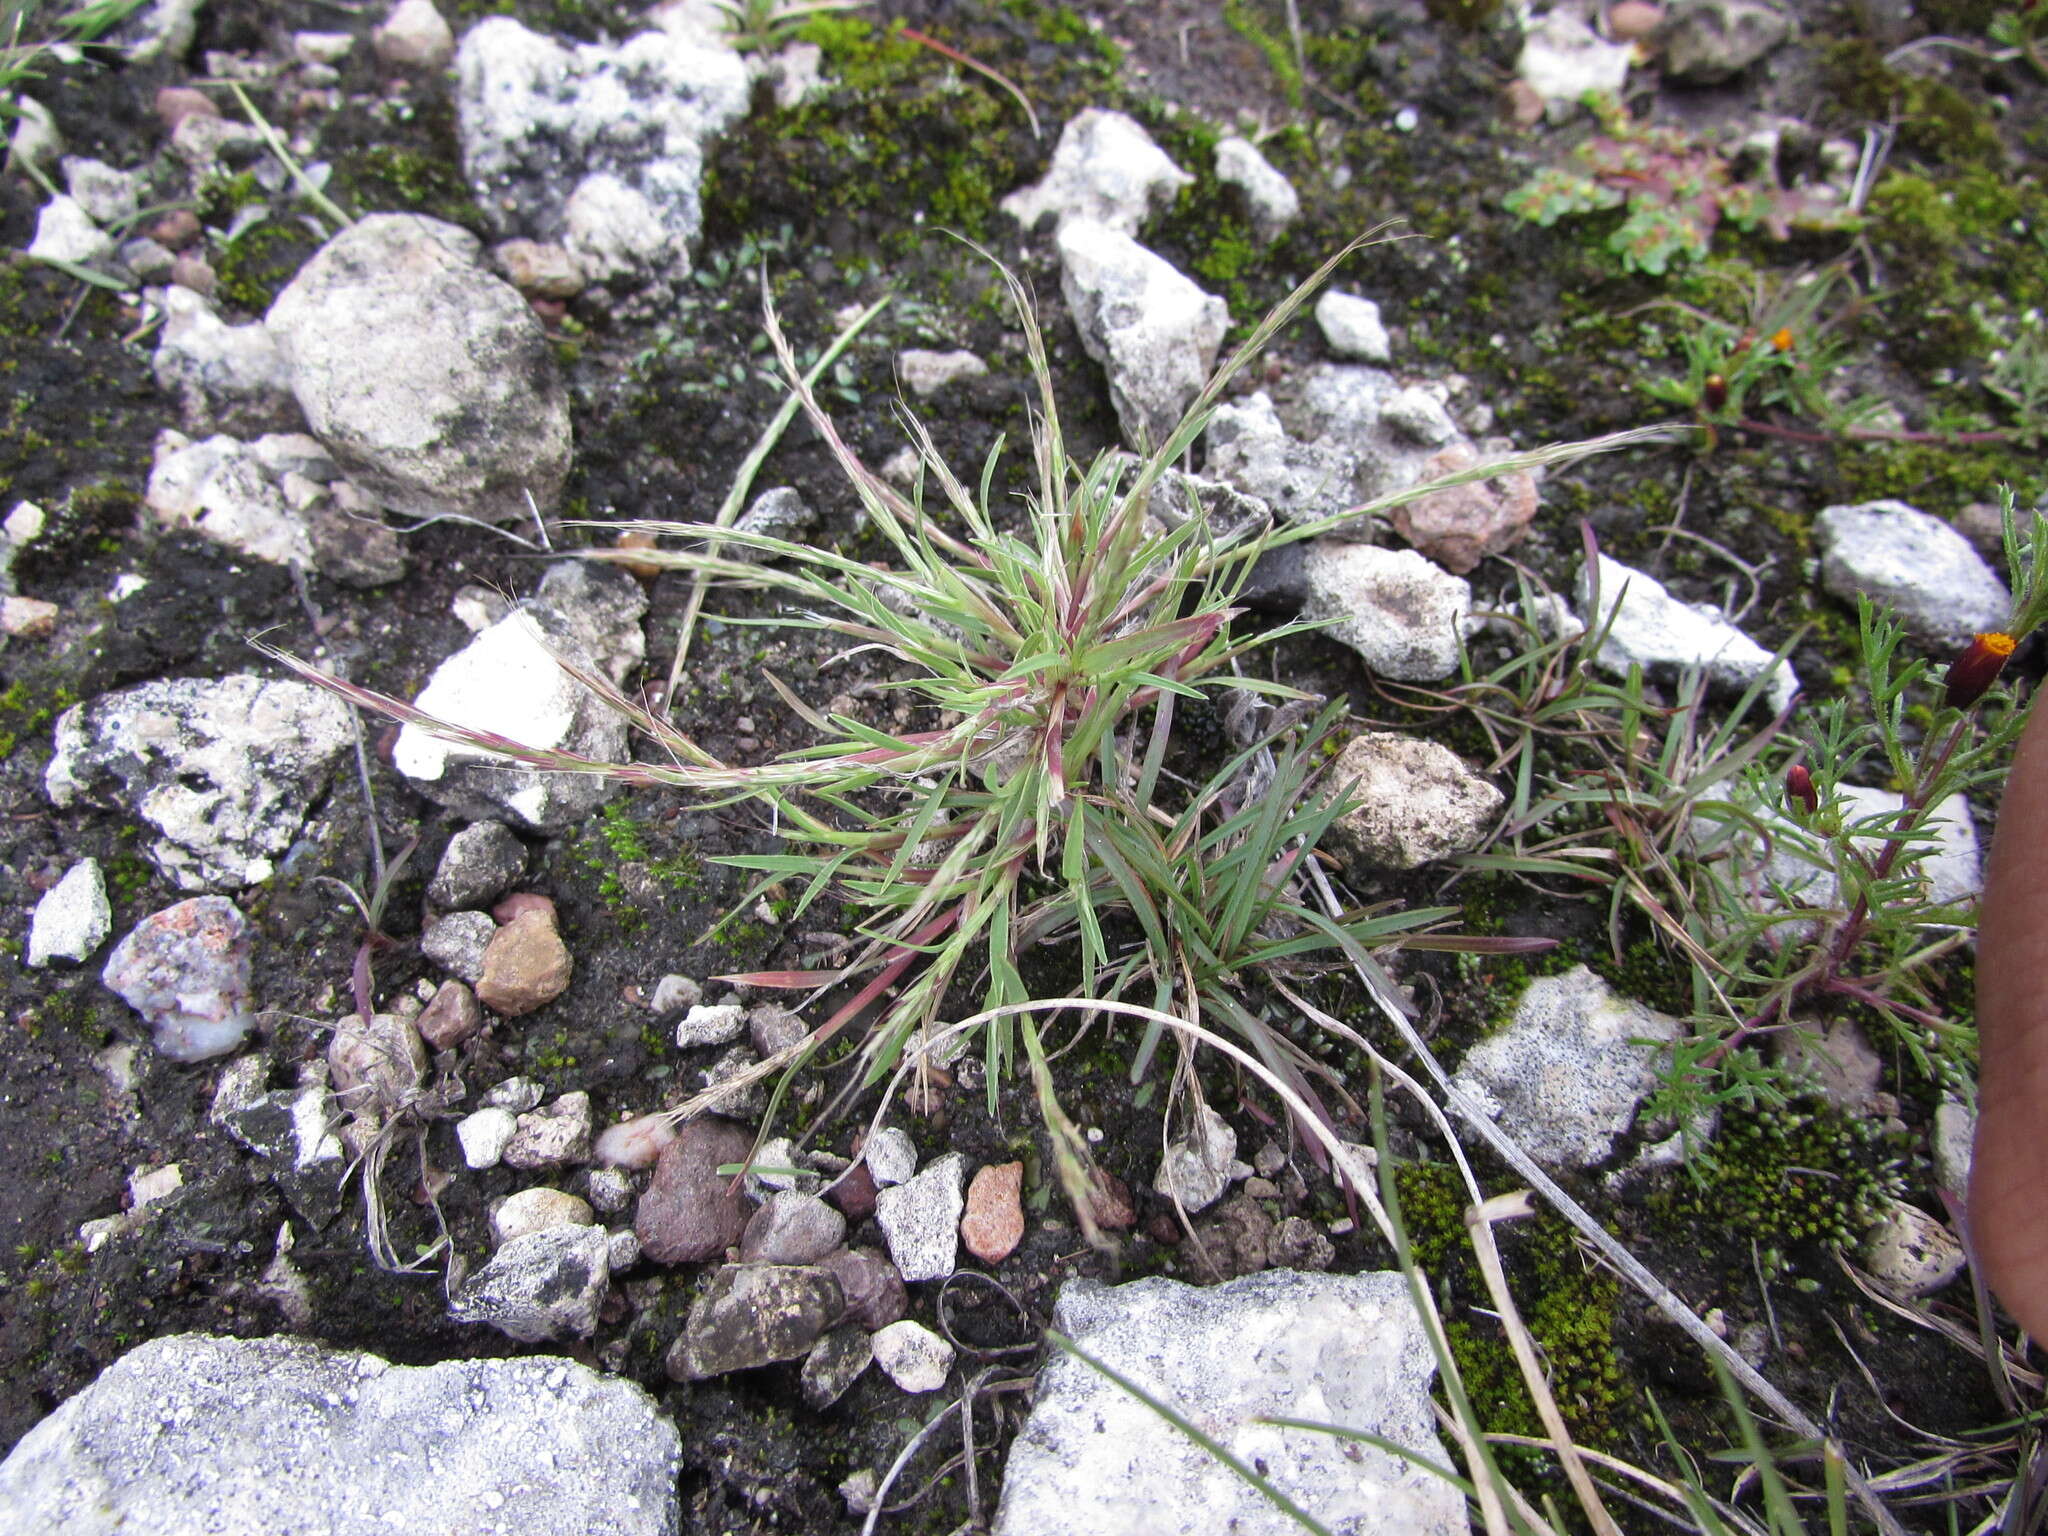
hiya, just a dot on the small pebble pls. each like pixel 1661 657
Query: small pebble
pixel 27 618
pixel 913 1357
pixel 453 1017
pixel 518 1094
pixel 676 994
pixel 552 1136
pixel 711 1025
pixel 175 103
pixel 483 1136
pixel 525 965
pixel 535 1210
pixel 994 1223
pixel 1630 21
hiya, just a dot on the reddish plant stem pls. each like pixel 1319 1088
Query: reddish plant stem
pixel 1870 434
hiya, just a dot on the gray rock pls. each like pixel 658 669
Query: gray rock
pixel 1271 196
pixel 186 971
pixel 539 1209
pixel 1296 1244
pixel 791 1228
pixel 689 1211
pixel 457 943
pixel 1566 1076
pixel 1415 801
pixel 518 1094
pixel 226 377
pixel 73 918
pixel 776 1166
pixel 223 768
pixel 1707 42
pixel 921 1218
pixel 414 36
pixel 1797 868
pixel 773 1028
pixel 596 147
pixel 1342 1349
pixel 1955 1130
pixel 711 1024
pixel 108 196
pixel 34 139
pixel 891 1156
pixel 1253 453
pixel 1910 1253
pixel 747 1102
pixel 478 866
pixel 1352 327
pixel 292 1129
pixel 508 681
pixel 912 1356
pixel 1404 616
pixel 924 373
pixel 161 29
pixel 1153 331
pixel 1941 588
pixel 1197 1167
pixel 1648 627
pixel 1397 433
pixel 1839 1063
pixel 777 513
pixel 675 994
pixel 541 1286
pixel 352 544
pixel 874 1292
pixel 451 1018
pixel 1231 515
pixel 755 1314
pixel 1105 170
pixel 429 378
pixel 554 1135
pixel 834 1364
pixel 539 271
pixel 247 1436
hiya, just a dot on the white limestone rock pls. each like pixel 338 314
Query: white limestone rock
pixel 415 35
pixel 1302 481
pixel 194 1433
pixel 1093 1460
pixel 1105 170
pixel 221 489
pixel 1199 1166
pixel 224 769
pixel 1565 1077
pixel 1402 614
pixel 1153 331
pixel 1910 1253
pixel 891 1156
pixel 912 1356
pixel 72 919
pixel 1270 195
pixel 107 195
pixel 1563 59
pixel 1654 630
pixel 507 681
pixel 925 373
pixel 545 1285
pixel 1933 577
pixel 230 378
pixel 921 1219
pixel 1352 327
pixel 598 147
pixel 65 232
pixel 538 1209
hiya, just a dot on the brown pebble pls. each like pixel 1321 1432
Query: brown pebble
pixel 524 901
pixel 855 1194
pixel 875 1293
pixel 175 103
pixel 639 538
pixel 451 1018
pixel 1525 106
pixel 526 964
pixel 176 229
pixel 1112 1202
pixel 994 1223
pixel 690 1211
pixel 191 272
pixel 1631 21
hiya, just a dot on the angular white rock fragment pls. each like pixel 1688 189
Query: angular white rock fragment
pixel 912 1356
pixel 709 1024
pixel 1271 196
pixel 1917 565
pixel 1352 327
pixel 1569 1071
pixel 65 232
pixel 1198 1167
pixel 1106 170
pixel 1153 331
pixel 891 1156
pixel 1910 1253
pixel 925 373
pixel 484 1136
pixel 1339 1349
pixel 921 1219
pixel 1562 60
pixel 73 918
pixel 1648 627
pixel 536 1210
pixel 1406 617
pixel 1414 801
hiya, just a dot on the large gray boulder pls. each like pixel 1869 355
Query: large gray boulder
pixel 199 1436
pixel 1343 1349
pixel 426 375
pixel 1927 572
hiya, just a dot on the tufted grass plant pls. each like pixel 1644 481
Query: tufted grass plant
pixel 1046 649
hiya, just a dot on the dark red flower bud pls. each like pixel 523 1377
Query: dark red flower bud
pixel 1714 392
pixel 1977 669
pixel 1800 791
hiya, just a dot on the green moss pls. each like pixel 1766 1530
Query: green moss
pixel 255 267
pixel 1784 1176
pixel 391 177
pixel 1935 119
pixel 27 710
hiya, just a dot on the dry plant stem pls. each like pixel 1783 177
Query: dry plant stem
pixel 1626 1263
pixel 984 70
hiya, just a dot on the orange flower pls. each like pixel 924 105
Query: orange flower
pixel 1977 669
pixel 1781 339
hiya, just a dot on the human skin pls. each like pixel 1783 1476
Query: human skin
pixel 2009 1166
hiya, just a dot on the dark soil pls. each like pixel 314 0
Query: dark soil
pixel 1540 322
